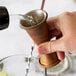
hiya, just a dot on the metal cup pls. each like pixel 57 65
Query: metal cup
pixel 4 18
pixel 35 24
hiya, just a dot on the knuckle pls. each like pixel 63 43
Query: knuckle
pixel 66 13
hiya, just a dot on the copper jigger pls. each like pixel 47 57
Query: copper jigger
pixel 34 23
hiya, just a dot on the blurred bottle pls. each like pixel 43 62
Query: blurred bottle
pixel 4 18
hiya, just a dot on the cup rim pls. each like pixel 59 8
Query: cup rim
pixel 45 14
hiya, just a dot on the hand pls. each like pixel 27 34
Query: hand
pixel 63 26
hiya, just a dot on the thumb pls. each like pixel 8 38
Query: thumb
pixel 51 46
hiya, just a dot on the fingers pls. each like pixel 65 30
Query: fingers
pixel 54 20
pixel 54 29
pixel 74 12
pixel 55 33
pixel 61 55
pixel 53 46
pixel 44 48
pixel 52 23
pixel 51 20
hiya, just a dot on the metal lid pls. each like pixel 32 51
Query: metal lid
pixel 4 18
